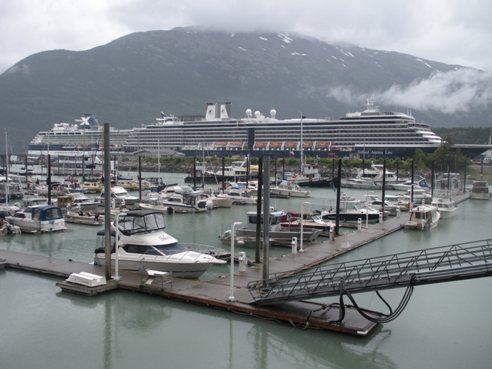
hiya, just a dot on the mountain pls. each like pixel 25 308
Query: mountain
pixel 129 81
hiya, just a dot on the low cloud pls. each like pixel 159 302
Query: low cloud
pixel 457 91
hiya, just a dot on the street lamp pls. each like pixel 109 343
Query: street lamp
pixel 301 249
pixel 117 244
pixel 233 236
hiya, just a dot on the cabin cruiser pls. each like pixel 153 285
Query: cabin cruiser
pixel 144 245
pixel 38 218
pixel 278 236
pixel 423 217
pixel 445 206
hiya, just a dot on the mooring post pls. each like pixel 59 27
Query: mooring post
pixel 107 204
pixel 266 219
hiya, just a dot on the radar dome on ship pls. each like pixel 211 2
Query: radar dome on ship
pixel 249 113
pixel 257 114
pixel 273 113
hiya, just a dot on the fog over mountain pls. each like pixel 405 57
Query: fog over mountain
pixel 130 80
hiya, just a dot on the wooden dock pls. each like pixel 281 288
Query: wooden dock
pixel 216 293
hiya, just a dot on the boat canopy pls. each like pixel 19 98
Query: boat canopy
pixel 46 212
pixel 141 221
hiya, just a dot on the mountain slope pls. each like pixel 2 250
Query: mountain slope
pixel 130 80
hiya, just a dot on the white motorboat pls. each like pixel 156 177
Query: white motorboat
pixel 144 245
pixel 288 189
pixel 377 203
pixel 38 218
pixel 351 210
pixel 423 217
pixel 418 182
pixel 445 206
pixel 120 196
pixel 480 190
pixel 186 202
pixel 78 215
pixel 239 196
pixel 216 201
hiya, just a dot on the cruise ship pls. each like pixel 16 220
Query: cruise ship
pixel 370 132
pixel 84 137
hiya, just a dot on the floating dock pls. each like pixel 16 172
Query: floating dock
pixel 217 293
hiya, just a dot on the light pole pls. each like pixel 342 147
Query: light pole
pixel 301 249
pixel 117 244
pixel 233 236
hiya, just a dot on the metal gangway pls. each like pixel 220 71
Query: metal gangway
pixel 434 265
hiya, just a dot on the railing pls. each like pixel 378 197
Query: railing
pixel 434 265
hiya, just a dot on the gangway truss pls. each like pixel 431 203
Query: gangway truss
pixel 434 265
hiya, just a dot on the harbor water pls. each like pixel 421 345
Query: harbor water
pixel 444 325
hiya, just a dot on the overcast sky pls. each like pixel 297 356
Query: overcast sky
pixel 450 31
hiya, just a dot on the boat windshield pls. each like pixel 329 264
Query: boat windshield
pixel 174 248
pixel 138 224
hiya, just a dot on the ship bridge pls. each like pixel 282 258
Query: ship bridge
pixel 408 269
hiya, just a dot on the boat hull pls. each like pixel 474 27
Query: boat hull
pixel 177 269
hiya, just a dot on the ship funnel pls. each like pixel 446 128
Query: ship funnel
pixel 225 110
pixel 210 114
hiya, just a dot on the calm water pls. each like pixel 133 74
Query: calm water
pixel 444 325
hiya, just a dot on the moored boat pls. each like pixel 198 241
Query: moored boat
pixel 445 206
pixel 144 245
pixel 38 218
pixel 480 190
pixel 278 236
pixel 423 217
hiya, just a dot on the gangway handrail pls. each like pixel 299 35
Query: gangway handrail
pixel 434 265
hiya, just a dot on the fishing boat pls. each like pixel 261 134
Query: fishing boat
pixel 144 245
pixel 38 218
pixel 423 217
pixel 186 202
pixel 480 190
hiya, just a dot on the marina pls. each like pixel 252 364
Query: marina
pixel 213 290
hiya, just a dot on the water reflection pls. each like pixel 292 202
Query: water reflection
pixel 310 349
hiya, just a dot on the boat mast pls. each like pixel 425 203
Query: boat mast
pixel 7 169
pixel 302 147
pixel 158 155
